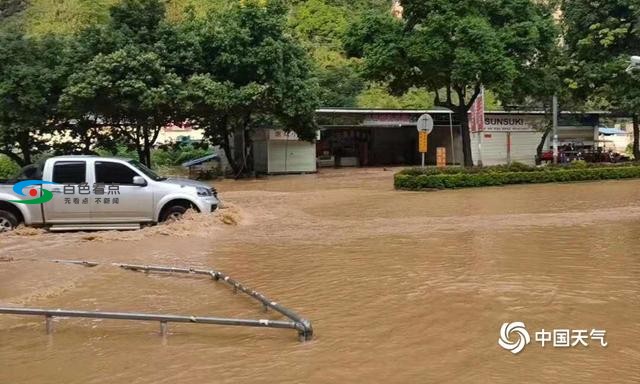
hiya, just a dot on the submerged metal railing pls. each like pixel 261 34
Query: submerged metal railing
pixel 302 325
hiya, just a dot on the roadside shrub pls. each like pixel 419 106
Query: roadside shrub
pixel 165 156
pixel 8 168
pixel 119 150
pixel 579 164
pixel 513 167
pixel 177 154
pixel 495 177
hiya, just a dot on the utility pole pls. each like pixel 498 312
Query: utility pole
pixel 554 108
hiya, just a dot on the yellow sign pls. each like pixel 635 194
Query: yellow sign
pixel 422 141
pixel 441 157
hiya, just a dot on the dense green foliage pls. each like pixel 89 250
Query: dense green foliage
pixel 454 48
pixel 32 74
pixel 122 81
pixel 319 24
pixel 600 36
pixel 70 67
pixel 165 156
pixel 177 154
pixel 417 179
pixel 8 167
pixel 246 72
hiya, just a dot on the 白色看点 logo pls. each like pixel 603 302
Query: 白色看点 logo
pixel 33 192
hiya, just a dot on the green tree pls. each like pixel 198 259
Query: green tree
pixel 31 79
pixel 600 37
pixel 377 96
pixel 454 48
pixel 123 83
pixel 255 75
pixel 319 23
pixel 339 79
pixel 130 92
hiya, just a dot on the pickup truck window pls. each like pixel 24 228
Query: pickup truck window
pixel 70 172
pixel 144 169
pixel 114 173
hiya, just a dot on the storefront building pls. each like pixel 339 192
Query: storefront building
pixel 371 137
pixel 515 135
pixel 378 137
pixel 385 137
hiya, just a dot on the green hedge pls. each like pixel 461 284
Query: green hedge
pixel 462 179
pixel 513 167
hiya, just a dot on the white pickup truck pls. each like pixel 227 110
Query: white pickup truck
pixel 97 193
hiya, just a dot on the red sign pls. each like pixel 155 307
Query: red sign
pixel 476 114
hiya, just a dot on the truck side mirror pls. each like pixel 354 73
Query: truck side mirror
pixel 139 180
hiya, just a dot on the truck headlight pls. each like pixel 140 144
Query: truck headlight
pixel 203 192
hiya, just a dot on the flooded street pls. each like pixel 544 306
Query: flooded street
pixel 401 287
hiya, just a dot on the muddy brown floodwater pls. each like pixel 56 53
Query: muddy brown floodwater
pixel 402 287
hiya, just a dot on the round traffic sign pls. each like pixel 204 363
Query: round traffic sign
pixel 425 123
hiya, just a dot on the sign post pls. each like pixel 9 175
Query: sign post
pixel 554 106
pixel 425 126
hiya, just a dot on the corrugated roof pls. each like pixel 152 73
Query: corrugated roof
pixel 611 131
pixel 200 160
pixel 445 110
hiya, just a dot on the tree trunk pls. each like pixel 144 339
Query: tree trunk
pixel 636 138
pixel 15 158
pixel 87 142
pixel 248 150
pixel 147 155
pixel 146 151
pixel 540 147
pixel 463 118
pixel 25 149
pixel 226 145
pixel 139 150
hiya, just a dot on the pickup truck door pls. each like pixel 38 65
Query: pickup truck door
pixel 71 201
pixel 122 200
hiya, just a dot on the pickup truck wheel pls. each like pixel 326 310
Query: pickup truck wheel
pixel 174 213
pixel 8 221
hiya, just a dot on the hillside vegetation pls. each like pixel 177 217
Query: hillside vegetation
pixel 319 24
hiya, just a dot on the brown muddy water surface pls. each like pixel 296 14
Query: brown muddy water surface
pixel 402 287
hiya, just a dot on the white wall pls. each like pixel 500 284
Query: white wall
pixel 523 146
pixel 617 143
pixel 291 156
pixel 494 147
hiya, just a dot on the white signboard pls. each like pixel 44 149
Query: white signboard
pixel 279 134
pixel 388 120
pixel 513 123
pixel 425 123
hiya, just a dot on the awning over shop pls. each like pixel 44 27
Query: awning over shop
pixel 611 131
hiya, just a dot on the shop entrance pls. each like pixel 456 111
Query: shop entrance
pixel 379 146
